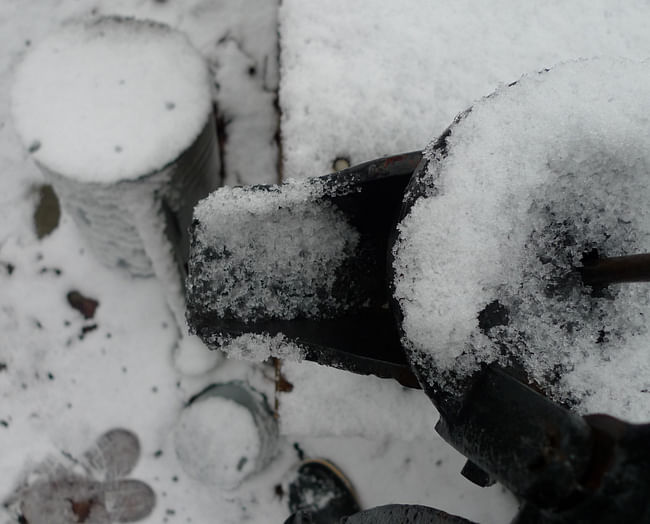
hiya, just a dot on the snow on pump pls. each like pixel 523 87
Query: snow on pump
pixel 503 270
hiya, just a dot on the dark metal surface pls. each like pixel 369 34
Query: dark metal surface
pixel 616 485
pixel 404 514
pixel 536 448
pixel 616 270
pixel 564 468
pixel 364 340
pixel 195 176
pixel 363 343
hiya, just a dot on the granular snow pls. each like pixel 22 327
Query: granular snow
pixel 355 84
pixel 535 178
pixel 259 347
pixel 111 99
pixel 269 252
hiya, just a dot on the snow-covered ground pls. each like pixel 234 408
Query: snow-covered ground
pixel 357 80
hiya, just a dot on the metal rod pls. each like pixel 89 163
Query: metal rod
pixel 615 270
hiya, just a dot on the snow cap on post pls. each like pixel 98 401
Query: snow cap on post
pixel 111 99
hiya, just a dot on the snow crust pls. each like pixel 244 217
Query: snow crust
pixel 535 178
pixel 269 252
pixel 111 99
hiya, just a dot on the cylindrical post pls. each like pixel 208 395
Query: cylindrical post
pixel 118 115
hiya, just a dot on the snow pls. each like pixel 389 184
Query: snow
pixel 272 253
pixel 370 78
pixel 258 348
pixel 119 374
pixel 117 82
pixel 192 358
pixel 342 400
pixel 535 177
pixel 358 80
pixel 111 99
pixel 220 439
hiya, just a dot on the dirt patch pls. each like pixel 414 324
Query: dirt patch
pixel 47 213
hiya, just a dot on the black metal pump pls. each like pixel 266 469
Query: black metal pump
pixel 565 468
pixel 365 340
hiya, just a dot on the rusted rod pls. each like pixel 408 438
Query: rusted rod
pixel 614 270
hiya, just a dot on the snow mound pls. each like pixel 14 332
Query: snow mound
pixel 533 181
pixel 272 251
pixel 111 99
pixel 224 435
pixel 192 358
pixel 326 401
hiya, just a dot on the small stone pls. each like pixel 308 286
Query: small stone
pixel 87 329
pixel 341 163
pixel 9 267
pixel 85 305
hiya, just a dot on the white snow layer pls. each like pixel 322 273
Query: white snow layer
pixel 62 386
pixel 342 399
pixel 111 99
pixel 270 253
pixel 239 40
pixel 259 347
pixel 367 78
pixel 535 177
